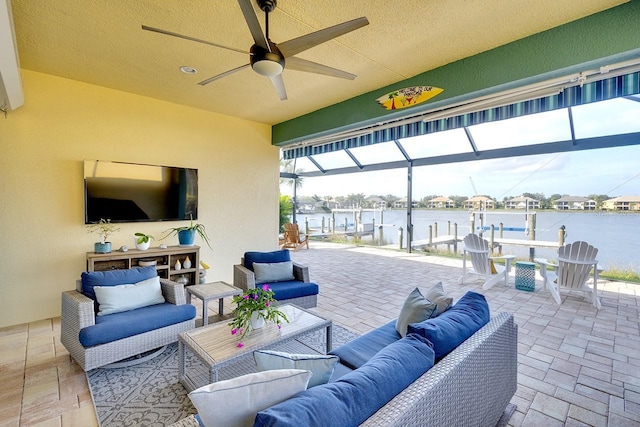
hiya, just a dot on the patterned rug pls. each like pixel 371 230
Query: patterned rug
pixel 149 394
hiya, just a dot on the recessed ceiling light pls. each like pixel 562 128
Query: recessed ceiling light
pixel 188 70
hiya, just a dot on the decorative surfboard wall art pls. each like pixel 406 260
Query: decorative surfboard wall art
pixel 408 97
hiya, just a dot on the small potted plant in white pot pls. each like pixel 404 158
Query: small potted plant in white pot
pixel 143 241
pixel 103 228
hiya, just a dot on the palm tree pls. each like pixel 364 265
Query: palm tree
pixel 286 208
pixel 290 167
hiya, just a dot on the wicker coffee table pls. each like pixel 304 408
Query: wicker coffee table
pixel 215 347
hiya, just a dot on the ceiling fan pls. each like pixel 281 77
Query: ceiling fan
pixel 268 58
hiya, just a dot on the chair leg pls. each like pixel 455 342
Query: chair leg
pixel 553 289
pixel 492 281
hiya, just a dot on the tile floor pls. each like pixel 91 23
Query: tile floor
pixel 577 366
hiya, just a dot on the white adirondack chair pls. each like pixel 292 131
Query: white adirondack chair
pixel 480 256
pixel 573 270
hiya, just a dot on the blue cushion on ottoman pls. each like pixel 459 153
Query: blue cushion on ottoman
pixel 265 257
pixel 357 395
pixel 114 278
pixel 451 328
pixel 358 352
pixel 113 327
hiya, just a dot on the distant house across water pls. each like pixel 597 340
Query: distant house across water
pixel 441 203
pixel 522 202
pixel 402 203
pixel 376 202
pixel 574 203
pixel 623 203
pixel 479 202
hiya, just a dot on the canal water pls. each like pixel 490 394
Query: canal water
pixel 615 234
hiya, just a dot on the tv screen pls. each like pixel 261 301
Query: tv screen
pixel 126 192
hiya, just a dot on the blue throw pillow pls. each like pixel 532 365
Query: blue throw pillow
pixel 357 395
pixel 114 278
pixel 265 257
pixel 454 326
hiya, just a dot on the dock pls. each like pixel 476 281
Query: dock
pixel 440 240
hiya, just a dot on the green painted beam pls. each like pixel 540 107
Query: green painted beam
pixel 599 39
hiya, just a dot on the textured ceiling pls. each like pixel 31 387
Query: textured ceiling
pixel 101 42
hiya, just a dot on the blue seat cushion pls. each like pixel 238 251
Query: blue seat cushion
pixel 454 326
pixel 358 352
pixel 115 277
pixel 358 394
pixel 113 327
pixel 293 289
pixel 265 257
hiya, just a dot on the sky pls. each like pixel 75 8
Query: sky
pixel 612 171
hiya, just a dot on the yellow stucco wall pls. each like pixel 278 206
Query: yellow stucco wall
pixel 43 239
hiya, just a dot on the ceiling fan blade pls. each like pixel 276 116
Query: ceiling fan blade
pixel 302 43
pixel 299 64
pixel 219 76
pixel 278 84
pixel 254 26
pixel 193 39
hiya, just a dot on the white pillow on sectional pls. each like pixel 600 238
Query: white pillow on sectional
pixel 235 402
pixel 116 299
pixel 321 365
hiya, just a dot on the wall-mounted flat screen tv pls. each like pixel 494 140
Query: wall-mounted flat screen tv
pixel 127 192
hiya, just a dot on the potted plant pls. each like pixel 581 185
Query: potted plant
pixel 254 307
pixel 187 234
pixel 143 241
pixel 103 228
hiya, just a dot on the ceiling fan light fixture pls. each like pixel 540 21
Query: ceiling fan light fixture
pixel 267 63
pixel 267 67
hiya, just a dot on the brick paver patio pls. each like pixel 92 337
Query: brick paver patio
pixel 577 366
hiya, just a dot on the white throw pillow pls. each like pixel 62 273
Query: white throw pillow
pixel 273 272
pixel 115 299
pixel 321 365
pixel 437 295
pixel 235 402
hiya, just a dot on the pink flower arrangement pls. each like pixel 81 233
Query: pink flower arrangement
pixel 260 300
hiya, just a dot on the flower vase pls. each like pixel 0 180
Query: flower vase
pixel 257 321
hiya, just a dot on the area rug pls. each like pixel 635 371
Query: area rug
pixel 149 394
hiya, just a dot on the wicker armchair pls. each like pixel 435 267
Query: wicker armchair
pixel 78 312
pixel 244 278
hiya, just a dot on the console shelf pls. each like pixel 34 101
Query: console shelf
pixel 165 261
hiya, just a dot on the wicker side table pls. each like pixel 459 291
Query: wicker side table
pixel 211 291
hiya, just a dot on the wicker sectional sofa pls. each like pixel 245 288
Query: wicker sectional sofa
pixel 471 386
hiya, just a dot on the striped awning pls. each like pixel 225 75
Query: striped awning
pixel 599 90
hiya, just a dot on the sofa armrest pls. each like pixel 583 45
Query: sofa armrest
pixel 173 292
pixel 243 278
pixel 78 311
pixel 478 379
pixel 301 272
